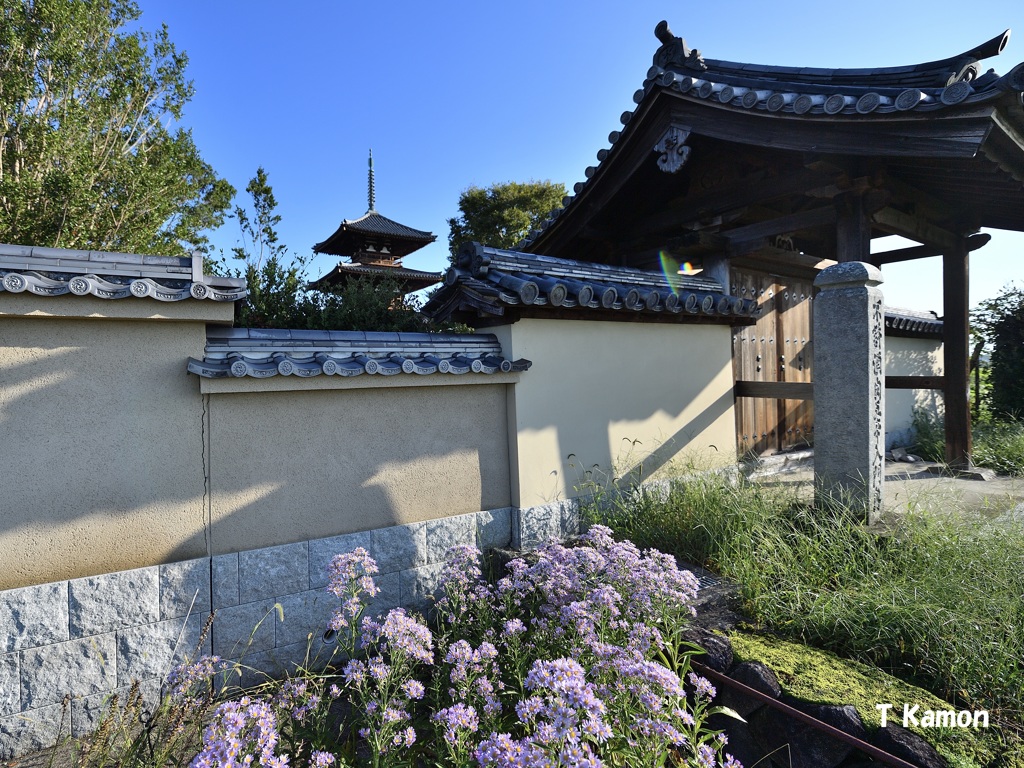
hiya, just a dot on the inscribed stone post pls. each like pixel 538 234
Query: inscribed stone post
pixel 849 388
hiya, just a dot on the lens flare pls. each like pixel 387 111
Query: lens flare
pixel 672 269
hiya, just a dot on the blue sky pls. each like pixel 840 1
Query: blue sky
pixel 452 94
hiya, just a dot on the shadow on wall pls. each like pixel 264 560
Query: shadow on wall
pixel 612 398
pixel 114 460
pixel 102 452
pixel 350 460
pixel 668 451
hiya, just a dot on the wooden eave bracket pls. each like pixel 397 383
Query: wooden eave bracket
pixel 896 222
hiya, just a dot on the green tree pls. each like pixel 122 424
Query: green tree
pixel 277 284
pixel 87 155
pixel 367 305
pixel 1001 323
pixel 502 214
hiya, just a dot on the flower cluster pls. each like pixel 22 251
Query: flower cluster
pixel 350 577
pixel 242 732
pixel 574 659
pixel 466 599
pixel 296 698
pixel 400 635
pixel 186 680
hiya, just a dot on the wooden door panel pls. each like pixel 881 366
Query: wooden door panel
pixel 779 347
pixel 796 363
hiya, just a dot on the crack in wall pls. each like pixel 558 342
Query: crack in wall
pixel 207 500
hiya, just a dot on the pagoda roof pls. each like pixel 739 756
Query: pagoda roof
pixel 410 280
pixel 352 236
pixel 943 136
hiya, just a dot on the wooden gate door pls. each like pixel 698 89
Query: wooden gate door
pixel 767 357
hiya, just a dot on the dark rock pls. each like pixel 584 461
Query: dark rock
pixel 795 744
pixel 718 650
pixel 741 744
pixel 755 675
pixel 845 718
pixel 908 746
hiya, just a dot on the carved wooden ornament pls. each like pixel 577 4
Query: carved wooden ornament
pixel 672 149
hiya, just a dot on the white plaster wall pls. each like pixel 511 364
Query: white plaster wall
pixel 910 357
pixel 288 466
pixel 101 436
pixel 606 398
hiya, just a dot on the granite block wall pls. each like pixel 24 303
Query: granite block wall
pixel 65 647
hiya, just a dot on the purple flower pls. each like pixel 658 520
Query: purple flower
pixel 241 731
pixel 400 634
pixel 184 678
pixel 413 689
pixel 702 685
pixel 352 569
pixel 354 672
pixel 514 627
pixel 455 719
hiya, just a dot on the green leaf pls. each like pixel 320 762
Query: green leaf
pixel 727 711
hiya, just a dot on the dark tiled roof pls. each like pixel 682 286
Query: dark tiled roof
pixel 487 280
pixel 412 279
pixel 811 93
pixel 261 353
pixel 347 238
pixel 909 322
pixel 59 271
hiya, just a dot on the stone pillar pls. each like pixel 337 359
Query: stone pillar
pixel 849 388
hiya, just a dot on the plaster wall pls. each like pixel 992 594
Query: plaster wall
pixel 102 438
pixel 607 398
pixel 910 357
pixel 288 466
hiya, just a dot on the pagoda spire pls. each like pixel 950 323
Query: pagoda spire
pixel 371 188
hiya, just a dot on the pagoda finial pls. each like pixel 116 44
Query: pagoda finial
pixel 372 191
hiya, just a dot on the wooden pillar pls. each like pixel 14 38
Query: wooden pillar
pixel 853 229
pixel 956 352
pixel 717 268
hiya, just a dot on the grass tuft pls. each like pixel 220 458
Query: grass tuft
pixel 998 445
pixel 935 601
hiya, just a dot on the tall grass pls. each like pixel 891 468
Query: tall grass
pixel 998 445
pixel 936 601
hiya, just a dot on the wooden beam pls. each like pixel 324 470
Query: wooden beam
pixel 775 390
pixel 898 223
pixel 915 382
pixel 974 242
pixel 956 352
pixel 719 201
pixel 742 238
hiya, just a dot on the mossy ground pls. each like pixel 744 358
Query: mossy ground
pixel 821 677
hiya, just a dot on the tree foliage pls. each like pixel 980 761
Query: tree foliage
pixel 88 158
pixel 1000 322
pixel 502 214
pixel 277 294
pixel 367 305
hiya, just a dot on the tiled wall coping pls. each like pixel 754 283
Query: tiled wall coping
pixel 295 383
